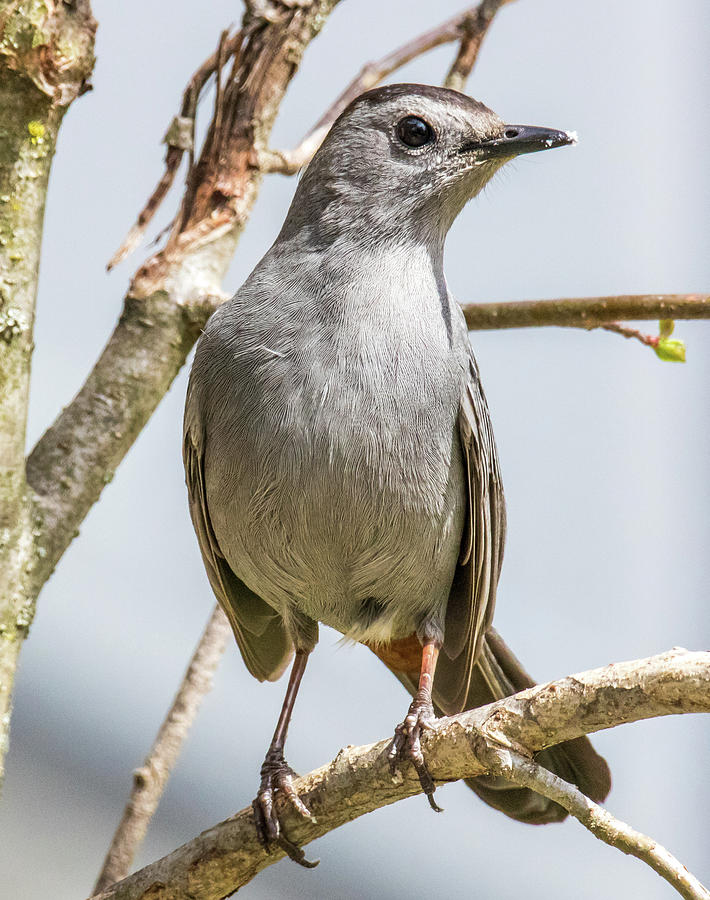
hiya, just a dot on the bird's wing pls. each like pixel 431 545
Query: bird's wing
pixel 259 630
pixel 472 599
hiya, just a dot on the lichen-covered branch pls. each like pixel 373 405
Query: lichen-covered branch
pixel 358 781
pixel 150 779
pixel 46 56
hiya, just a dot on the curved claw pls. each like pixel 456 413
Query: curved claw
pixel 406 744
pixel 296 853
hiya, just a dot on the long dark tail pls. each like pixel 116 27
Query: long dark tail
pixel 498 674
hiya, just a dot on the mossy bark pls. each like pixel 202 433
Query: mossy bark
pixel 46 57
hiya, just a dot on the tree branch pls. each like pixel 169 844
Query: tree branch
pixel 149 781
pixel 469 27
pixel 357 781
pixel 587 312
pixel 473 29
pixel 527 773
pixel 46 56
pixel 180 137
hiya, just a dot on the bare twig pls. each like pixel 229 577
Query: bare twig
pixel 468 26
pixel 149 781
pixel 587 312
pixel 178 141
pixel 603 825
pixel 648 340
pixel 358 781
pixel 473 30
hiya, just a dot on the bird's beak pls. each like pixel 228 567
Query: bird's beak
pixel 518 139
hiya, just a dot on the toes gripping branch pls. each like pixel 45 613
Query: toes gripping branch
pixel 277 779
pixel 406 744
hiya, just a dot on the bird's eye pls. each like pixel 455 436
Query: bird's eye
pixel 414 132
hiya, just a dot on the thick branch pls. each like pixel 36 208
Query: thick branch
pixel 149 781
pixel 357 781
pixel 589 312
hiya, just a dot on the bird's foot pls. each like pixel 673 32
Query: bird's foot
pixel 276 779
pixel 406 744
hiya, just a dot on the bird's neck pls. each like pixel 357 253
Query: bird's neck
pixel 330 215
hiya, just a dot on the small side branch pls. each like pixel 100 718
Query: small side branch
pixel 473 30
pixel 603 825
pixel 180 138
pixel 587 312
pixel 149 781
pixel 469 27
pixel 358 781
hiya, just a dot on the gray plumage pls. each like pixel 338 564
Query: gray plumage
pixel 338 447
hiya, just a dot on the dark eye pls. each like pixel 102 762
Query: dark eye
pixel 414 132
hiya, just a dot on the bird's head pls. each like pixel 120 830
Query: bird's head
pixel 404 159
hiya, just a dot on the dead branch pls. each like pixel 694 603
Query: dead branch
pixel 179 138
pixel 473 30
pixel 149 781
pixel 527 773
pixel 358 781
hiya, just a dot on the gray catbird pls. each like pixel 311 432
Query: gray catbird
pixel 338 448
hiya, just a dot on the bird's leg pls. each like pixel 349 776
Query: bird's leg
pixel 406 743
pixel 276 775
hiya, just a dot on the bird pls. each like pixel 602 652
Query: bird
pixel 338 448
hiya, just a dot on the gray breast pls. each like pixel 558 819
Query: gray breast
pixel 333 469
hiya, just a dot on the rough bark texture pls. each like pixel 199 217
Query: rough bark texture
pixel 357 781
pixel 46 55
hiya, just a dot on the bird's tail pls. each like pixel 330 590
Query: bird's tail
pixel 498 674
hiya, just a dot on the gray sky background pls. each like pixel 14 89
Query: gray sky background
pixel 604 451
